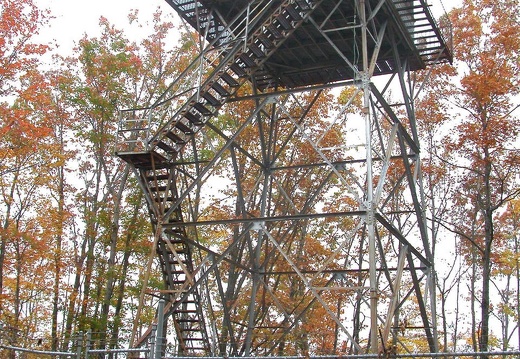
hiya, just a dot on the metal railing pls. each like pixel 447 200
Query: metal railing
pixel 84 348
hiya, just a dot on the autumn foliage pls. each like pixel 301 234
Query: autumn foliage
pixel 75 234
pixel 470 116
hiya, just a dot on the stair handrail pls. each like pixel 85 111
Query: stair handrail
pixel 229 56
pixel 207 57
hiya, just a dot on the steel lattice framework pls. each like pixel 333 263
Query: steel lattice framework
pixel 284 225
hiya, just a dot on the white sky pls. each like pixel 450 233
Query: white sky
pixel 74 18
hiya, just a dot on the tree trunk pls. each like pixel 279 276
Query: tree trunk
pixel 472 289
pixel 517 271
pixel 71 310
pixel 456 319
pixel 121 291
pixel 485 204
pixel 484 325
pixel 486 280
pixel 111 270
pixel 57 261
pixel 3 236
pixel 3 241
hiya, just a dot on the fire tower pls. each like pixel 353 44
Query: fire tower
pixel 285 225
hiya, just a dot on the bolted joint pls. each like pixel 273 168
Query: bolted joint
pixel 258 225
pixel 370 213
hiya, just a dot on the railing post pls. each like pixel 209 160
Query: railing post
pixel 87 344
pixel 79 345
pixel 149 134
pixel 119 131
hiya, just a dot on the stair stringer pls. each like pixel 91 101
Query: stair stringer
pixel 185 304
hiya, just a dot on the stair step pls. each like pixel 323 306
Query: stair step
pixel 175 241
pixel 162 199
pixel 178 246
pixel 181 238
pixel 156 177
pixel 193 118
pixel 188 320
pixel 170 260
pixel 424 31
pixel 175 283
pixel 175 216
pixel 220 89
pixel 284 22
pixel 239 70
pixel 165 147
pixel 188 301
pixel 176 230
pixel 184 128
pixel 275 32
pixel 174 261
pixel 212 100
pixel 178 250
pixel 191 330
pixel 192 338
pixel 256 50
pixel 293 13
pixel 408 7
pixel 413 20
pixel 202 109
pixel 177 272
pixel 247 60
pixel 229 79
pixel 175 138
pixel 158 188
pixel 302 4
pixel 187 311
pixel 266 41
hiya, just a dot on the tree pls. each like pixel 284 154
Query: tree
pixel 27 153
pixel 479 92
pixel 67 252
pixel 506 273
pixel 18 56
pixel 110 74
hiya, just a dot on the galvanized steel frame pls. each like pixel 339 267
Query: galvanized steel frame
pixel 390 137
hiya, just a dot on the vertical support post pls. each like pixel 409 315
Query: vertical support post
pixel 160 327
pixel 370 206
pixel 152 341
pixel 403 251
pixel 256 275
pixel 250 323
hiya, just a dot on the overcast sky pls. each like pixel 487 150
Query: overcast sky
pixel 74 18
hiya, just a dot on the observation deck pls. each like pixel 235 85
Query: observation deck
pixel 327 47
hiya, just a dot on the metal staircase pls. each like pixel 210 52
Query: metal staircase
pixel 151 139
pixel 237 61
pixel 418 20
